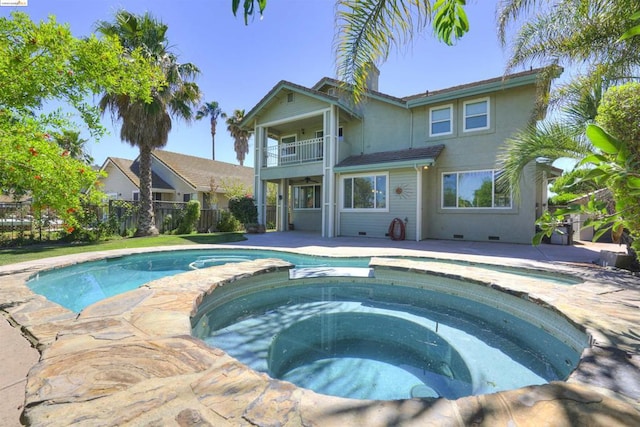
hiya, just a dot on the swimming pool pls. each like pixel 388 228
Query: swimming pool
pixel 376 338
pixel 78 286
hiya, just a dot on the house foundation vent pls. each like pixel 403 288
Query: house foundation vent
pixel 494 237
pixel 458 236
pixel 362 233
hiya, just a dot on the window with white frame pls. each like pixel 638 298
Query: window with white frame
pixel 320 133
pixel 473 189
pixel 476 114
pixel 287 146
pixel 368 192
pixel 440 120
pixel 307 197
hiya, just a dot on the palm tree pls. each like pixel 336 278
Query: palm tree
pixel 70 141
pixel 147 125
pixel 213 111
pixel 584 33
pixel 240 136
pixel 566 32
pixel 563 136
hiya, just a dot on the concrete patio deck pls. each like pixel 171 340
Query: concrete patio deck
pixel 130 360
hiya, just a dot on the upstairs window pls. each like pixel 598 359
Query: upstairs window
pixel 440 121
pixel 476 114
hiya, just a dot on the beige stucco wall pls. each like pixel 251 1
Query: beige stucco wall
pixel 116 182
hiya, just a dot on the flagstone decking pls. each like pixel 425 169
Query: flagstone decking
pixel 130 359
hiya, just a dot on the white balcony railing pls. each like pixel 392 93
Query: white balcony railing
pixel 308 150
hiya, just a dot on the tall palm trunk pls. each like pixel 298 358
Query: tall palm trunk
pixel 213 138
pixel 146 219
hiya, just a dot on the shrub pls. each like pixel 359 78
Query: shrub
pixel 189 220
pixel 228 223
pixel 244 209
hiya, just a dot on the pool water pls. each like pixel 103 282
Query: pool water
pixel 78 286
pixel 367 340
pixel 362 338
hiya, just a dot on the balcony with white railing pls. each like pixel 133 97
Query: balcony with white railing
pixel 308 150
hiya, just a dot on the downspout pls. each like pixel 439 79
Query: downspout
pixel 363 137
pixel 419 172
pixel 411 128
pixel 258 188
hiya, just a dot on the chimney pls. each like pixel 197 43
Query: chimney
pixel 373 75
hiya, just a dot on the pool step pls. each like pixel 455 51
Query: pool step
pixel 314 272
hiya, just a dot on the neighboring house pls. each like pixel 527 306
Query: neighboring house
pixel 429 160
pixel 176 178
pixel 580 232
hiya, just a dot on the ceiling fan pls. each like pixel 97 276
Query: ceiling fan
pixel 306 180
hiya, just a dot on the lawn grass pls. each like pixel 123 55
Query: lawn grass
pixel 46 250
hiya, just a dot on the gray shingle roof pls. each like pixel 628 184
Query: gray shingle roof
pixel 423 153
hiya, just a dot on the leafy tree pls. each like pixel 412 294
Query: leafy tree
pixel 213 111
pixel 235 189
pixel 618 115
pixel 244 209
pixel 240 136
pixel 146 125
pixel 40 62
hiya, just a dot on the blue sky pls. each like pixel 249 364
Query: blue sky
pixel 294 41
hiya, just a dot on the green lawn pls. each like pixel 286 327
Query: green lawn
pixel 45 250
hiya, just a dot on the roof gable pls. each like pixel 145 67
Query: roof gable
pixel 284 85
pixel 131 169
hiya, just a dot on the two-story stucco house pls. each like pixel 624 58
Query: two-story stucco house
pixel 176 178
pixel 429 159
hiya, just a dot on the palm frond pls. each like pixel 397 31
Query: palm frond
pixel 543 143
pixel 509 11
pixel 368 29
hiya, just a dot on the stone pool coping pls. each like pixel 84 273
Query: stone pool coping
pixel 130 359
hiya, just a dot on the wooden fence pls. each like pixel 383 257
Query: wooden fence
pixel 167 215
pixel 18 220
